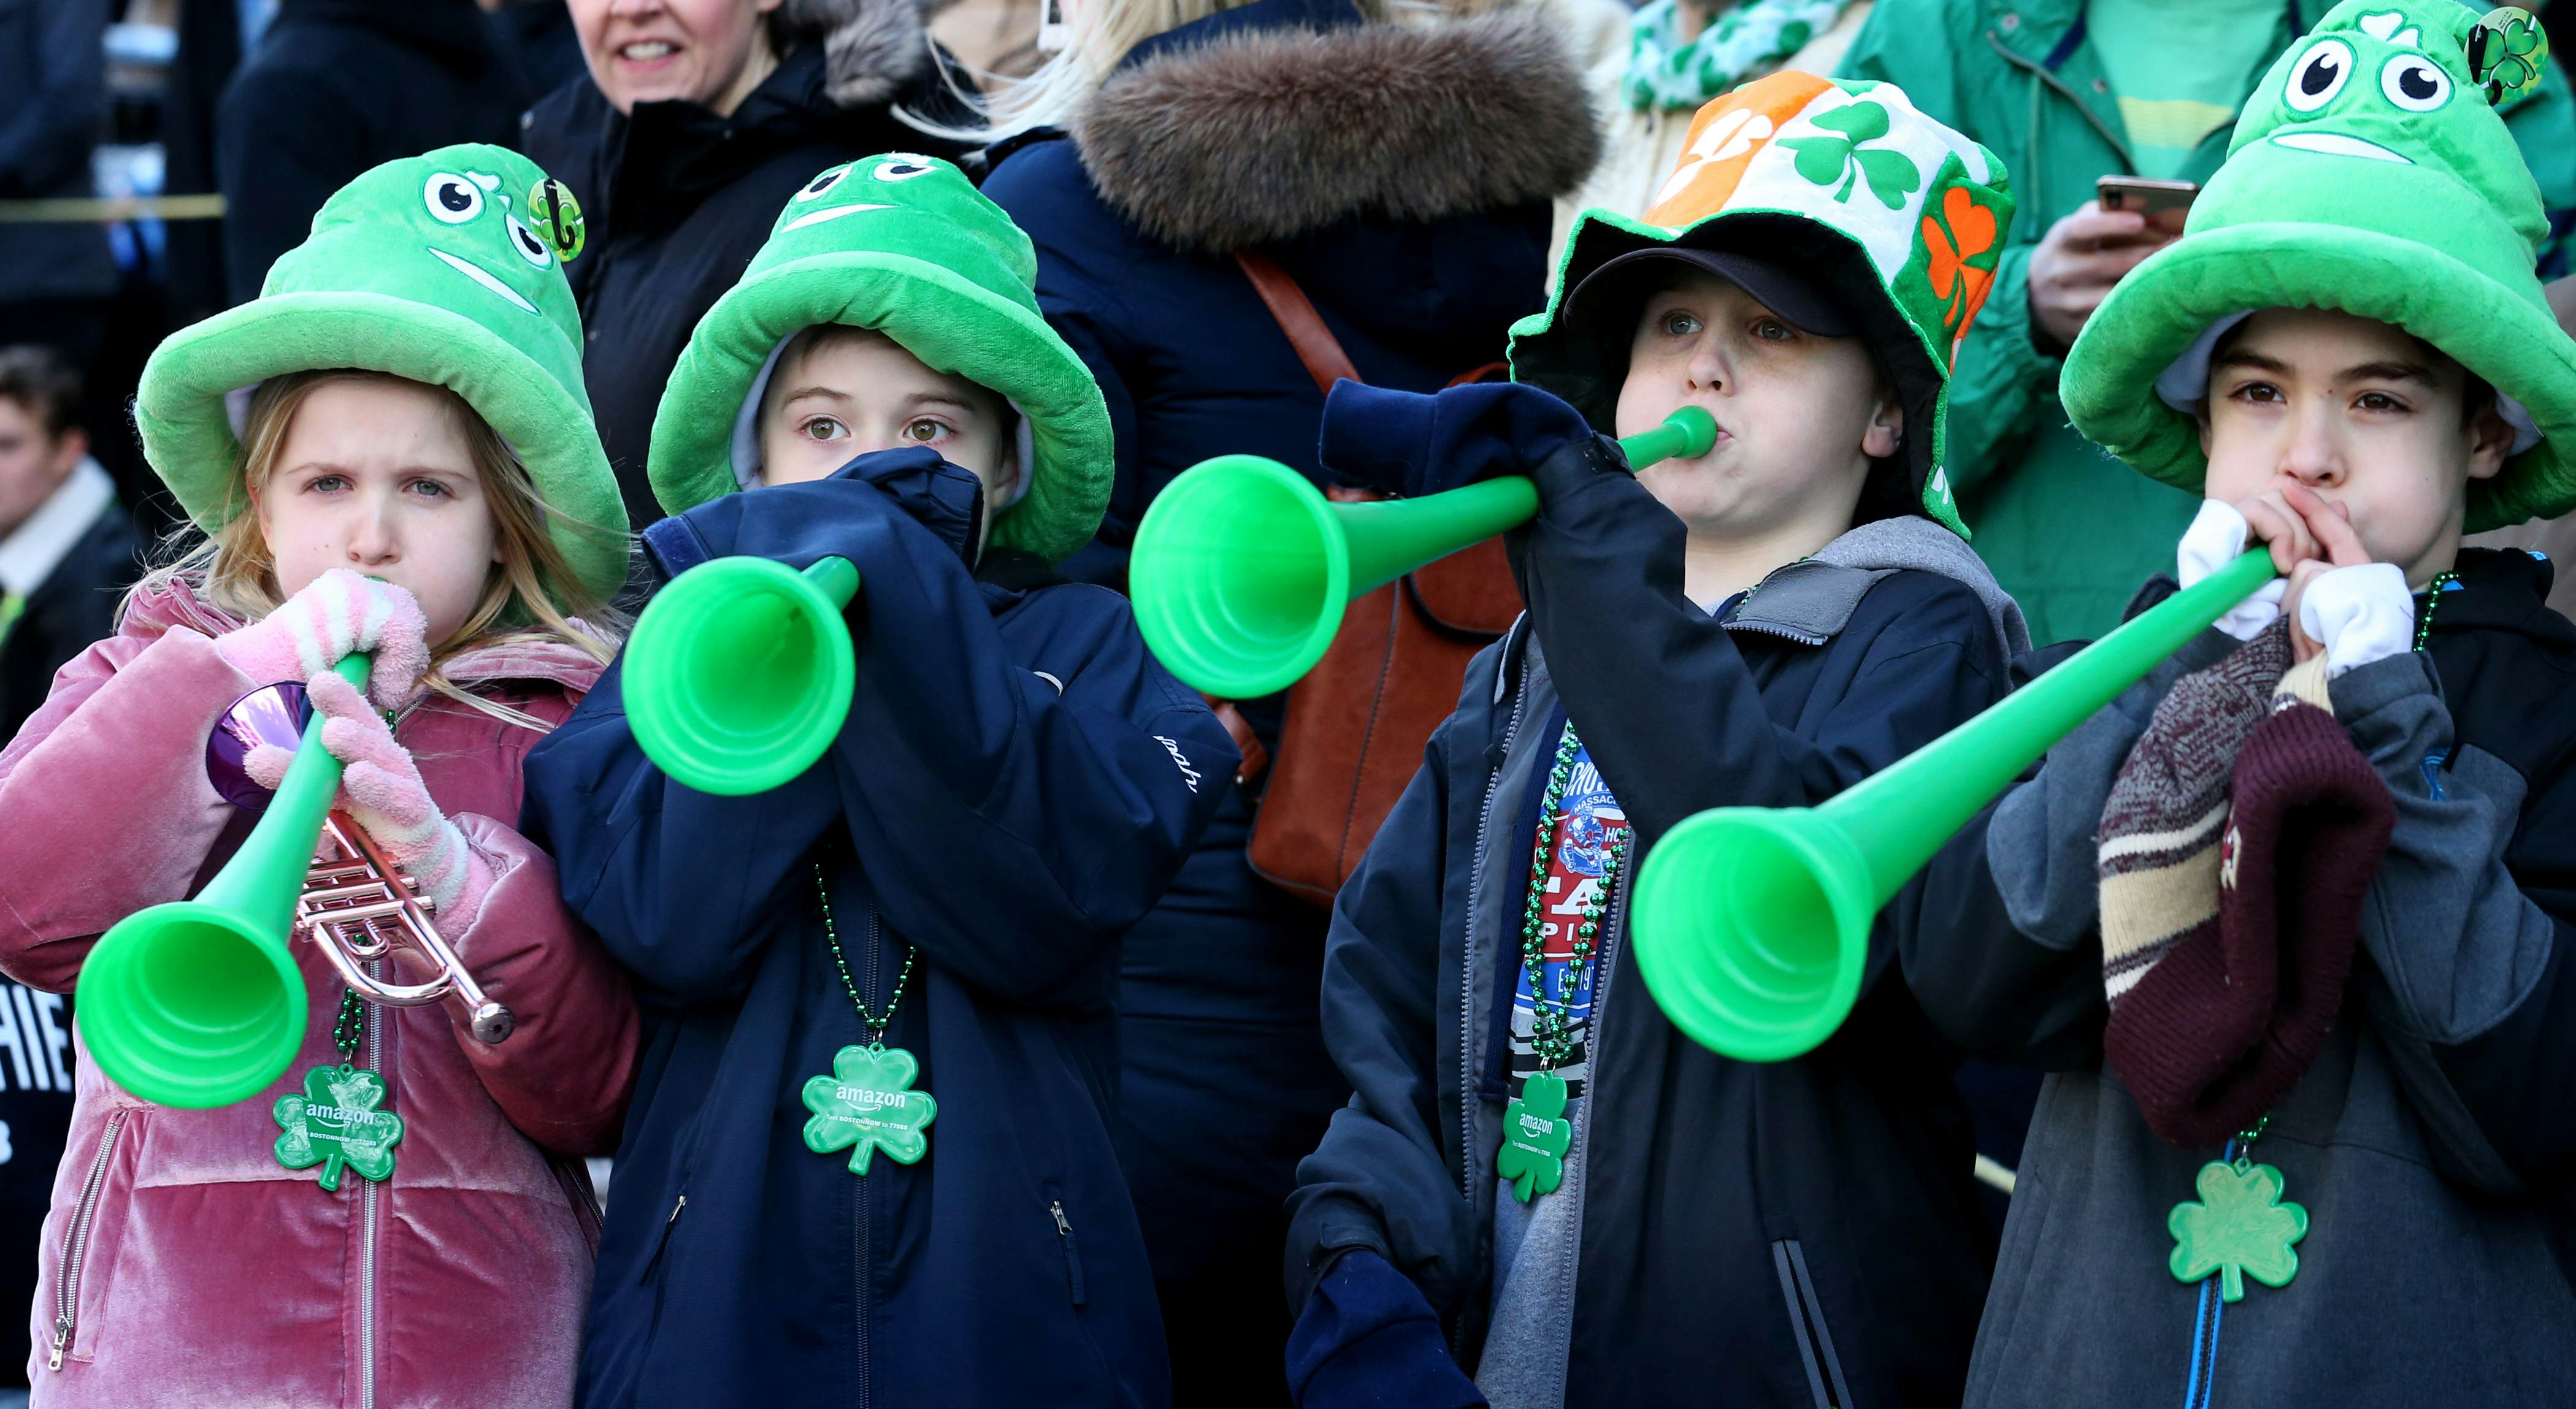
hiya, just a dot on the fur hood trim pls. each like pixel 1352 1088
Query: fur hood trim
pixel 1260 137
pixel 871 48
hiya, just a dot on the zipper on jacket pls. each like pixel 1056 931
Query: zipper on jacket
pixel 76 1244
pixel 1072 1253
pixel 1807 1323
pixel 669 1226
pixel 1467 1059
pixel 370 1200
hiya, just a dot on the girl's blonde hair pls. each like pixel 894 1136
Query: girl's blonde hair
pixel 525 595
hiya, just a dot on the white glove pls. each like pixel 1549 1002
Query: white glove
pixel 2216 538
pixel 2360 614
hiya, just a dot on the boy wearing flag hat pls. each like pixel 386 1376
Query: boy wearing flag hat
pixel 869 1154
pixel 1543 1193
pixel 2308 1139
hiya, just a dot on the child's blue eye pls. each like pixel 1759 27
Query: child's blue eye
pixel 1679 324
pixel 1769 331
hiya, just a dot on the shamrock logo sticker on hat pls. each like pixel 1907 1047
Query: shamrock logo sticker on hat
pixel 556 218
pixel 2506 53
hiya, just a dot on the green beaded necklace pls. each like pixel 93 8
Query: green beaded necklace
pixel 1536 1133
pixel 866 1103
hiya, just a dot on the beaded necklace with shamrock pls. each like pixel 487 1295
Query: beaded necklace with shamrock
pixel 866 1100
pixel 1535 1131
pixel 335 1120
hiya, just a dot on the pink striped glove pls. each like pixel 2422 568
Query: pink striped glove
pixel 381 790
pixel 336 614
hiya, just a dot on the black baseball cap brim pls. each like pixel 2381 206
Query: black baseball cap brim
pixel 1610 290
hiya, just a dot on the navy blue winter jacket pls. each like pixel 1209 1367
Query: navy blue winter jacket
pixel 1785 1234
pixel 1015 785
pixel 1418 253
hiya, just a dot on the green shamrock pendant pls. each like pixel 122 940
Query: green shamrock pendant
pixel 868 1101
pixel 334 1122
pixel 1535 1136
pixel 2239 1229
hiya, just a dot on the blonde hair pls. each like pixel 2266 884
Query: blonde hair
pixel 531 593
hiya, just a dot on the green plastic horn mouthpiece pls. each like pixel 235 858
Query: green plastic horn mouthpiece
pixel 197 1003
pixel 1751 925
pixel 1242 568
pixel 738 674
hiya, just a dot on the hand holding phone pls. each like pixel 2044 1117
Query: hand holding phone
pixel 2163 203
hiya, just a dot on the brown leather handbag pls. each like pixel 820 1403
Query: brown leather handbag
pixel 1357 723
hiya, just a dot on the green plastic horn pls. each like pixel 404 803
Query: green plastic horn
pixel 738 674
pixel 1751 924
pixel 197 1003
pixel 1242 568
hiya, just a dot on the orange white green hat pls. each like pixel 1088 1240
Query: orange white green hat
pixel 1895 218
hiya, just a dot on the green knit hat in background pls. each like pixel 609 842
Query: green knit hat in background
pixel 2370 174
pixel 905 245
pixel 444 268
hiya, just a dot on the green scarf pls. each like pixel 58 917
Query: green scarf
pixel 1666 71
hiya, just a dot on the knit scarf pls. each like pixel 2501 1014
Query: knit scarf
pixel 1667 71
pixel 2235 851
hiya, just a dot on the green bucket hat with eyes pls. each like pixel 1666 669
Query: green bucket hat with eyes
pixel 2369 174
pixel 444 268
pixel 905 245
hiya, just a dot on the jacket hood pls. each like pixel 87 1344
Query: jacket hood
pixel 871 48
pixel 1813 598
pixel 1283 117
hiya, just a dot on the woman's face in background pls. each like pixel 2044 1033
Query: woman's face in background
pixel 708 52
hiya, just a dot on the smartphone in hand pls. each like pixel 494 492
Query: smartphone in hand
pixel 2163 203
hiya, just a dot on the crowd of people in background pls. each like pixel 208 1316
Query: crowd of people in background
pixel 1219 211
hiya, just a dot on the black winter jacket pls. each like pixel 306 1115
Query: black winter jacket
pixel 339 86
pixel 1015 785
pixel 1796 1233
pixel 676 200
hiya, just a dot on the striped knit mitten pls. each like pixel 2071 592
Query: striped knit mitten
pixel 382 791
pixel 336 614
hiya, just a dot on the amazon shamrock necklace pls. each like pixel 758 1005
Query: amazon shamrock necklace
pixel 1536 1133
pixel 866 1103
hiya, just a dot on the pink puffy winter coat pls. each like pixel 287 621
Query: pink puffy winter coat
pixel 181 1263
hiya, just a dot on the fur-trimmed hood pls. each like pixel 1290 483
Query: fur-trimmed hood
pixel 1254 137
pixel 871 48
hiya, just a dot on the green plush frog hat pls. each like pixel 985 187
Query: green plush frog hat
pixel 1842 207
pixel 2370 174
pixel 905 245
pixel 445 268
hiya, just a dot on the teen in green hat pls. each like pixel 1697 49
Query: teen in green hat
pixel 386 453
pixel 873 1150
pixel 1544 1192
pixel 2253 1179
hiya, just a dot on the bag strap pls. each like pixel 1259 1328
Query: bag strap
pixel 1295 313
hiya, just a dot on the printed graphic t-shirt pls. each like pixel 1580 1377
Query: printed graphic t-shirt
pixel 1587 824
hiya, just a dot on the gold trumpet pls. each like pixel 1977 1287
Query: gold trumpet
pixel 361 909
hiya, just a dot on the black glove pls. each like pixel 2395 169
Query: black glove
pixel 1406 443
